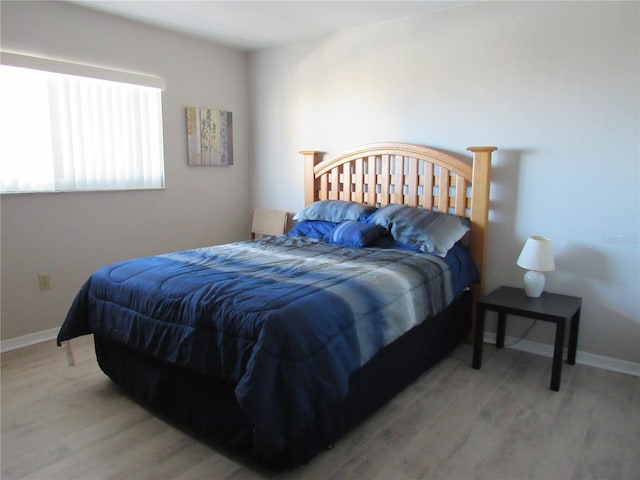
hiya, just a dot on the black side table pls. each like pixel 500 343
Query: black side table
pixel 549 307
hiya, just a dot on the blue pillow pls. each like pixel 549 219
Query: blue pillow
pixel 429 231
pixel 333 211
pixel 312 229
pixel 354 234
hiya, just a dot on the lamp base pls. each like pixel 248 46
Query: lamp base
pixel 533 283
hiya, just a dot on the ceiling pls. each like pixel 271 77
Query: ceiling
pixel 251 25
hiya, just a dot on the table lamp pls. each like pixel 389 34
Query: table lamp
pixel 537 257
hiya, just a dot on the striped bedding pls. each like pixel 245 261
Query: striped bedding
pixel 286 320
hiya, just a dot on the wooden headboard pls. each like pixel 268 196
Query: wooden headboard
pixel 382 173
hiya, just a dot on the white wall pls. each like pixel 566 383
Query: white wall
pixel 554 85
pixel 69 235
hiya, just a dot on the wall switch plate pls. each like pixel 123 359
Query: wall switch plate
pixel 44 281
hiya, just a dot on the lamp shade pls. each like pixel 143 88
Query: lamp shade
pixel 537 255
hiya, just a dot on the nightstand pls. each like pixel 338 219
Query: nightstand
pixel 550 307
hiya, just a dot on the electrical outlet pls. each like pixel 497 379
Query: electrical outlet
pixel 44 281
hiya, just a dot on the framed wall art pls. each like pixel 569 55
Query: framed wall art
pixel 209 137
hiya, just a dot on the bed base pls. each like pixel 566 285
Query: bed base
pixel 208 408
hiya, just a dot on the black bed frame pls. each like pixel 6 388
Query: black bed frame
pixel 207 406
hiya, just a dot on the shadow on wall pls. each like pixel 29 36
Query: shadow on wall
pixel 581 270
pixel 604 321
pixel 504 246
pixel 578 261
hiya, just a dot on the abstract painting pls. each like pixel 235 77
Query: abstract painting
pixel 209 137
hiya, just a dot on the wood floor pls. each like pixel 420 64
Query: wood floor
pixel 501 422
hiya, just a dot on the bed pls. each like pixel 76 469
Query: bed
pixel 279 346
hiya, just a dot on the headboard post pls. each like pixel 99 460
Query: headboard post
pixel 311 159
pixel 480 209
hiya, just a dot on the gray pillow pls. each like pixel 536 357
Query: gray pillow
pixel 429 231
pixel 333 211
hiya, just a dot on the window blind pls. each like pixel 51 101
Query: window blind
pixel 66 132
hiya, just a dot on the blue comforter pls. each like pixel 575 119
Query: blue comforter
pixel 286 320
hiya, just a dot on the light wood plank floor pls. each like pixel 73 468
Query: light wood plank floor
pixel 501 422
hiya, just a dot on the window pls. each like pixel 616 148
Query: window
pixel 62 131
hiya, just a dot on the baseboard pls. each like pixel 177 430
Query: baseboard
pixel 584 358
pixel 30 339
